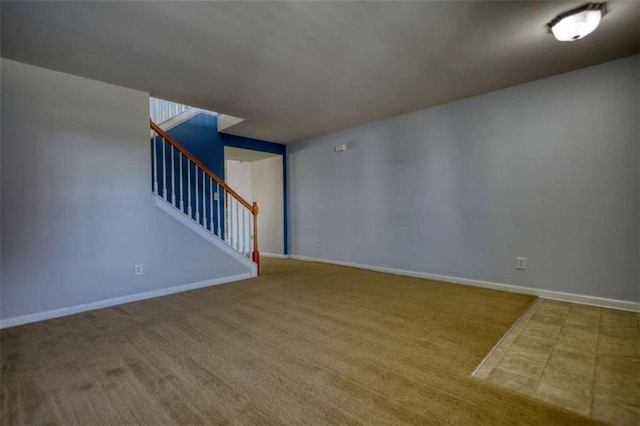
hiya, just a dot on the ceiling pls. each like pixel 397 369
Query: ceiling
pixel 246 155
pixel 294 70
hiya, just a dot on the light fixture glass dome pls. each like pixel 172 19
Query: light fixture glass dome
pixel 577 23
pixel 577 26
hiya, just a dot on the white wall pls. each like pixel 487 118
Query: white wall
pixel 238 177
pixel 546 170
pixel 266 176
pixel 76 204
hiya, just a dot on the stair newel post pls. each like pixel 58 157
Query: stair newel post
pixel 256 253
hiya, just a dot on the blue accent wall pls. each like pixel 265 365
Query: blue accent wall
pixel 199 135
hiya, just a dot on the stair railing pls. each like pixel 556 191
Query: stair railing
pixel 161 110
pixel 185 182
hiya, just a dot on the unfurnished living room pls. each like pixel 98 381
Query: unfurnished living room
pixel 320 212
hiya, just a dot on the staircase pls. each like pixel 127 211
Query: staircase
pixel 190 192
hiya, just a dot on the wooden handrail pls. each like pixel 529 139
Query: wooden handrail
pixel 204 168
pixel 253 208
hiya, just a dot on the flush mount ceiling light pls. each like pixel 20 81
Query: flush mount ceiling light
pixel 577 23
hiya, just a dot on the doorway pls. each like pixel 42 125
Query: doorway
pixel 258 176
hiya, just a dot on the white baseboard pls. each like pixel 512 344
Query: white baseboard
pixel 40 316
pixel 279 256
pixel 187 221
pixel 545 294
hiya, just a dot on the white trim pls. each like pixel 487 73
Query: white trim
pixel 225 121
pixel 278 255
pixel 545 294
pixel 25 319
pixel 187 221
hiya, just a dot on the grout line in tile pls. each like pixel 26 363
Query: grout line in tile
pixel 549 357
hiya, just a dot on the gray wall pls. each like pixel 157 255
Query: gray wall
pixel 547 170
pixel 76 198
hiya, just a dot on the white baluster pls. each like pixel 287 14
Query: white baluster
pixel 218 206
pixel 173 176
pixel 189 187
pixel 213 230
pixel 230 219
pixel 196 191
pixel 227 216
pixel 232 234
pixel 251 233
pixel 154 165
pixel 246 232
pixel 204 202
pixel 241 228
pixel 237 225
pixel 247 247
pixel 181 200
pixel 164 169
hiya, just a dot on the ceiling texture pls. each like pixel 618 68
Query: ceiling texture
pixel 295 70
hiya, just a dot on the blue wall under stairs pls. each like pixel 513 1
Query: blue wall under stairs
pixel 199 135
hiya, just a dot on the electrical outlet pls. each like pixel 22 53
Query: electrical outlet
pixel 521 263
pixel 137 269
pixel 317 243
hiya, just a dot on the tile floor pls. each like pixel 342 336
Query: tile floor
pixel 584 358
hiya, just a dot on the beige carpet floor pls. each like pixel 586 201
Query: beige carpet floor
pixel 305 343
